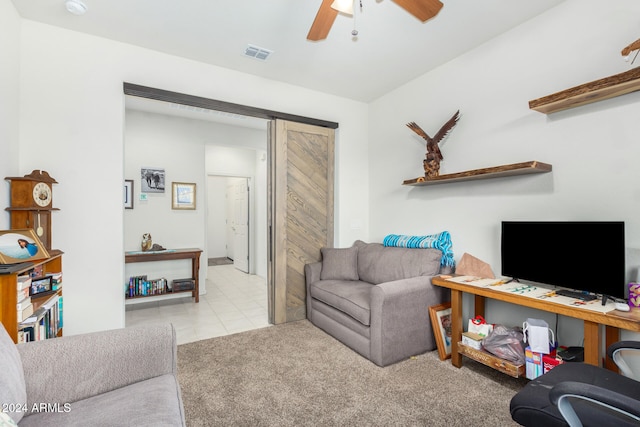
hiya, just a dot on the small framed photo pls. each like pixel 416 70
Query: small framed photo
pixel 41 285
pixel 128 194
pixel 20 246
pixel 183 195
pixel 441 324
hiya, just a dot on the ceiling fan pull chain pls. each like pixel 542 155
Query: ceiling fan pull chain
pixel 354 33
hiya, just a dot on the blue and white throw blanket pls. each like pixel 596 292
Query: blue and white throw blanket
pixel 441 241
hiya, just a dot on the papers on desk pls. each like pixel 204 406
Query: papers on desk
pixel 532 291
pixel 476 281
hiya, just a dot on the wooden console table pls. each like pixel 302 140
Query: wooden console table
pixel 613 321
pixel 170 255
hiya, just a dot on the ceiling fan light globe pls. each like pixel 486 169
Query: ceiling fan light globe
pixel 344 6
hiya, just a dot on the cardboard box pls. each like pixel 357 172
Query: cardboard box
pixel 472 340
pixel 533 360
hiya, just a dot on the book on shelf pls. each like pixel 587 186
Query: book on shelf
pixel 141 286
pixel 25 312
pixel 56 281
pixel 23 293
pixel 45 322
pixel 23 303
pixel 24 282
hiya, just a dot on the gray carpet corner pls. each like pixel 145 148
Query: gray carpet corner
pixel 294 374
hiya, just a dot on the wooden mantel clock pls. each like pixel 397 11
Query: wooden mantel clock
pixel 31 204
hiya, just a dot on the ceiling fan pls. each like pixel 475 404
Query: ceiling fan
pixel 421 9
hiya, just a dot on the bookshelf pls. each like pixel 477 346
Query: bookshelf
pixel 192 254
pixel 46 305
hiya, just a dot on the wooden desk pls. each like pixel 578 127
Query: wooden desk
pixel 613 321
pixel 169 255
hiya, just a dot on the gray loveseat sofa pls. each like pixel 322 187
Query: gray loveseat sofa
pixel 376 299
pixel 123 377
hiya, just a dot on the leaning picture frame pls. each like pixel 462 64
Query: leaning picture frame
pixel 441 324
pixel 21 245
pixel 128 194
pixel 183 195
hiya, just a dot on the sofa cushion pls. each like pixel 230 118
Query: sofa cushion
pixel 378 264
pixel 12 386
pixel 153 402
pixel 350 297
pixel 339 263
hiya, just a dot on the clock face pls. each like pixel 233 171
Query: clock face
pixel 42 194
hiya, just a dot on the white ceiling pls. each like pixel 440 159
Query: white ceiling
pixel 392 48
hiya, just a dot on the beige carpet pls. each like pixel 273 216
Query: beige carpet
pixel 296 375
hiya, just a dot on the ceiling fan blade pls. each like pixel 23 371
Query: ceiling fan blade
pixel 421 9
pixel 323 22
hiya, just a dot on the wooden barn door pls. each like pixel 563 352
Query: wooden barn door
pixel 300 212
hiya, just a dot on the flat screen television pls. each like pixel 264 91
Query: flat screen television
pixel 579 255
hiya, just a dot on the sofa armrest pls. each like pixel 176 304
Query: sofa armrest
pixel 68 369
pixel 312 272
pixel 311 275
pixel 400 324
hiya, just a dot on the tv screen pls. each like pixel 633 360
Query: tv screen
pixel 585 256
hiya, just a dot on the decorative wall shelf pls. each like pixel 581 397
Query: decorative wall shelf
pixel 494 172
pixel 598 90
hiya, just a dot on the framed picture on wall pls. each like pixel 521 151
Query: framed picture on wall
pixel 183 195
pixel 20 246
pixel 128 194
pixel 441 324
pixel 152 180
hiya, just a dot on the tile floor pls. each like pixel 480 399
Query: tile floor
pixel 234 302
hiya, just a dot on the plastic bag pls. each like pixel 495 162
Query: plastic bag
pixel 506 343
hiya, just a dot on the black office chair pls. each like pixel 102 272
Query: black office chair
pixel 576 394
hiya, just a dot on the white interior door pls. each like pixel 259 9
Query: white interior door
pixel 230 233
pixel 240 224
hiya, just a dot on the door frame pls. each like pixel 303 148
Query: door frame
pixel 214 104
pixel 140 91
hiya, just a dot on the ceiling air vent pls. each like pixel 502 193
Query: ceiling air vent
pixel 256 52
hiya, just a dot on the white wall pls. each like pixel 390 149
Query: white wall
pixel 9 102
pixel 593 149
pixel 176 145
pixel 72 125
pixel 216 216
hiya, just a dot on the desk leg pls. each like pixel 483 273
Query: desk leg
pixel 195 272
pixel 456 327
pixel 612 335
pixel 591 343
pixel 479 305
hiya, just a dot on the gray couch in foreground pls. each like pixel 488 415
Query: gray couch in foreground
pixel 122 377
pixel 376 299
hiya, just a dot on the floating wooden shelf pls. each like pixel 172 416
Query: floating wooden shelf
pixel 494 172
pixel 594 91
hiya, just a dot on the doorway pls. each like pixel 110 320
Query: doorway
pixel 286 296
pixel 229 218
